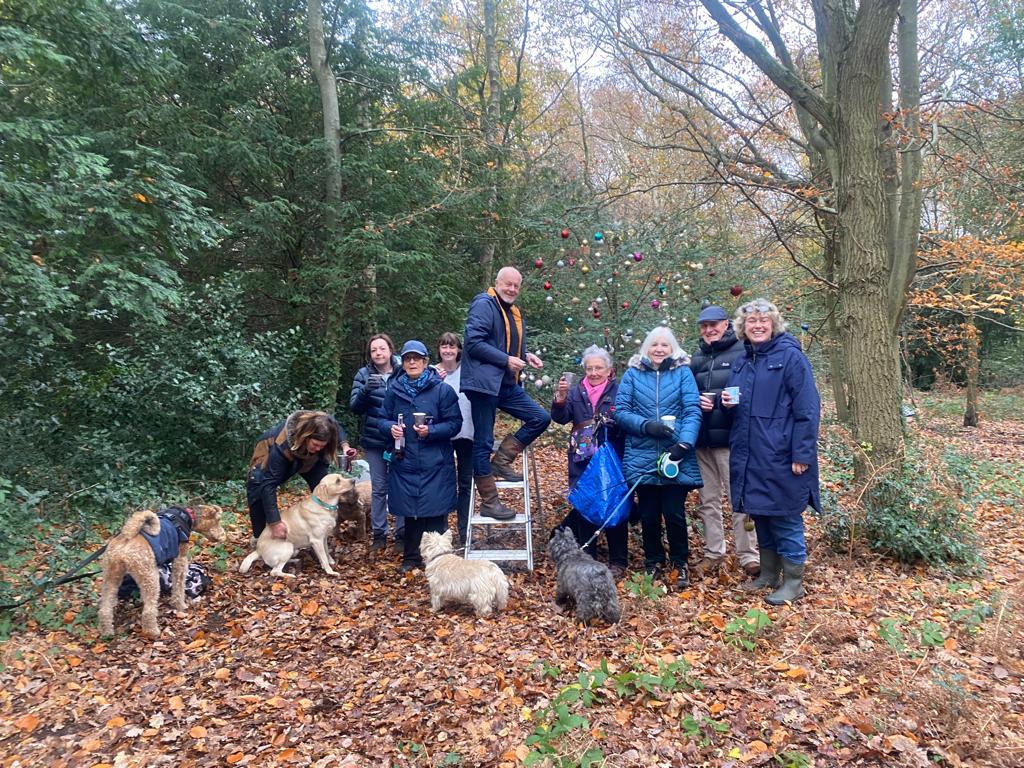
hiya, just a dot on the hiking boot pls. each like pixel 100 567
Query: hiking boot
pixel 753 570
pixel 378 543
pixel 507 453
pixel 770 575
pixel 490 505
pixel 792 588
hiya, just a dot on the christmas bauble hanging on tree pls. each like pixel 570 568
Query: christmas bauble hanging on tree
pixel 625 305
pixel 638 256
pixel 736 290
pixel 559 263
pixel 655 304
pixel 547 285
pixel 598 236
pixel 584 269
pixel 565 234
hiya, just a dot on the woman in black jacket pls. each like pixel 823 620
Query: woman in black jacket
pixel 367 399
pixel 303 444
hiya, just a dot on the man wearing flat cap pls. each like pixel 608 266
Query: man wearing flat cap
pixel 711 365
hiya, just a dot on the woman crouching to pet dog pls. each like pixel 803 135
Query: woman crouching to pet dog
pixel 590 407
pixel 421 480
pixel 658 407
pixel 304 444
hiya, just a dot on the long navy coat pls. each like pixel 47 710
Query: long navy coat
pixel 776 424
pixel 484 355
pixel 577 409
pixel 647 394
pixel 422 484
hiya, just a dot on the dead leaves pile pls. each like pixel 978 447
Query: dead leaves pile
pixel 356 671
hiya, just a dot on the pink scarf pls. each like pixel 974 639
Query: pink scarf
pixel 594 392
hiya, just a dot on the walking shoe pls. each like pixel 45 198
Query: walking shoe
pixel 753 570
pixel 507 453
pixel 618 571
pixel 378 543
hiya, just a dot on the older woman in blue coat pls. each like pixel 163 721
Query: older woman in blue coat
pixel 421 481
pixel 773 459
pixel 658 384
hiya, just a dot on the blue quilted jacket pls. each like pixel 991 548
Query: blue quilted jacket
pixel 647 394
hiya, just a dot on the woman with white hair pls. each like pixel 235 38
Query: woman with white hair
pixel 590 407
pixel 658 407
pixel 773 446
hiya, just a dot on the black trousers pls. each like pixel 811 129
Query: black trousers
pixel 669 502
pixel 617 537
pixel 415 527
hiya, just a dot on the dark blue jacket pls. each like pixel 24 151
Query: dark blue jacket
pixel 422 483
pixel 712 366
pixel 647 394
pixel 370 403
pixel 577 410
pixel 484 356
pixel 775 425
pixel 273 464
pixel 166 543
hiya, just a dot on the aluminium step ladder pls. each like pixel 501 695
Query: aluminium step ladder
pixel 522 519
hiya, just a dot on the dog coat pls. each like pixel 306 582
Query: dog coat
pixel 175 528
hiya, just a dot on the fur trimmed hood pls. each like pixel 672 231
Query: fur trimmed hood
pixel 676 360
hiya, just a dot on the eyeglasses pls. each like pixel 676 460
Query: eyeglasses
pixel 595 368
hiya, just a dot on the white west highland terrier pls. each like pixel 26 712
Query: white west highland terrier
pixel 479 583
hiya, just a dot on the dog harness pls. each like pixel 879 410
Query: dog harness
pixel 175 529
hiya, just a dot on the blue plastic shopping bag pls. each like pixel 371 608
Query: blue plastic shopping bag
pixel 600 493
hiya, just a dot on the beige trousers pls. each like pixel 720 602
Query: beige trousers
pixel 714 469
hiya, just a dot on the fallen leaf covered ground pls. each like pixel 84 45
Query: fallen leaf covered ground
pixel 881 664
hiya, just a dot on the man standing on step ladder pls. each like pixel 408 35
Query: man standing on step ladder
pixel 494 357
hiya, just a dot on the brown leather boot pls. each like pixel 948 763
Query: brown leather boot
pixel 490 505
pixel 507 453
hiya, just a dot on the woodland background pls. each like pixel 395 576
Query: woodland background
pixel 206 208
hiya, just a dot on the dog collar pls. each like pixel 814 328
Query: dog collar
pixel 325 505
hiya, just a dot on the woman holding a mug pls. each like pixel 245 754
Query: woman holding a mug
pixel 421 480
pixel 658 407
pixel 590 407
pixel 773 446
pixel 367 399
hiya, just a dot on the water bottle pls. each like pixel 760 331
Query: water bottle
pixel 399 452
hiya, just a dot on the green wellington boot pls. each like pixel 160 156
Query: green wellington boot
pixel 771 572
pixel 792 588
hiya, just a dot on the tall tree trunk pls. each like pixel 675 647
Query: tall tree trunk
pixel 867 335
pixel 490 116
pixel 971 343
pixel 333 317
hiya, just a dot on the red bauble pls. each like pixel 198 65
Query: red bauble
pixel 711 274
pixel 625 305
pixel 539 263
pixel 789 307
pixel 657 280
pixel 597 314
pixel 565 234
pixel 572 262
pixel 547 285
pixel 655 304
pixel 736 290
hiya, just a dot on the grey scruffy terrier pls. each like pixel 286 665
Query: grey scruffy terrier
pixel 582 581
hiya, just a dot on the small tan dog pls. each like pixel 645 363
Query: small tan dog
pixel 479 583
pixel 130 552
pixel 357 510
pixel 309 522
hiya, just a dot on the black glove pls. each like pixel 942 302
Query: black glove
pixel 658 429
pixel 374 381
pixel 678 451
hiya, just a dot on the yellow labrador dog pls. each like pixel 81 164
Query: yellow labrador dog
pixel 309 523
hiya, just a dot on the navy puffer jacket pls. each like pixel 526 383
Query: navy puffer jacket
pixel 776 424
pixel 646 394
pixel 576 410
pixel 370 403
pixel 712 366
pixel 422 483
